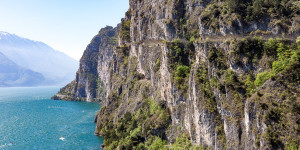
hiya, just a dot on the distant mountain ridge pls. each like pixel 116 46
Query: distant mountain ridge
pixel 12 74
pixel 56 67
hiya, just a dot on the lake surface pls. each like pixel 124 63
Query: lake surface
pixel 31 120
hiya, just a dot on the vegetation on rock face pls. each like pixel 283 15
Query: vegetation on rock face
pixel 205 88
pixel 225 91
pixel 287 57
pixel 143 130
pixel 146 127
pixel 181 75
pixel 125 28
pixel 256 9
pixel 284 57
pixel 179 55
pixel 217 57
pixel 282 11
pixel 251 49
pixel 183 142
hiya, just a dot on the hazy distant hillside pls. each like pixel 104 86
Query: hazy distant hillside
pixel 13 75
pixel 56 67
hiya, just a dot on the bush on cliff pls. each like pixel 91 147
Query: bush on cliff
pixel 142 130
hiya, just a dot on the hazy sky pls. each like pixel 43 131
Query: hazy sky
pixel 65 25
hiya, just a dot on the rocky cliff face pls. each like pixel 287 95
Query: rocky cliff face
pixel 194 73
pixel 93 75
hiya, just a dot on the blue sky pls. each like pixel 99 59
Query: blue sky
pixel 65 25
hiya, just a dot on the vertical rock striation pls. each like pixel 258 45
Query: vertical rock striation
pixel 223 88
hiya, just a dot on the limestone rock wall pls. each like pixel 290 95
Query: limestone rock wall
pixel 125 65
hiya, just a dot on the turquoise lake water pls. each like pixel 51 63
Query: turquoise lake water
pixel 31 120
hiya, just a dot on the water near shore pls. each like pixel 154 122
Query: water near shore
pixel 30 120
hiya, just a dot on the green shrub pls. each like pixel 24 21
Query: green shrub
pixel 182 71
pixel 153 107
pixel 192 39
pixel 205 85
pixel 287 57
pixel 261 78
pixel 217 57
pixel 298 39
pixel 158 144
pixel 183 142
pixel 257 9
pixel 136 133
pixel 270 47
pixel 125 30
pixel 249 48
pixel 278 66
pixel 210 102
pixel 230 78
pixel 251 88
pixel 202 74
pixel 177 54
pixel 133 131
pixel 293 146
pixel 124 50
pixel 234 5
pixel 181 76
pixel 221 133
pixel 282 51
pixel 211 15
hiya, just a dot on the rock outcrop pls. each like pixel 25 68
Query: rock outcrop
pixel 194 71
pixel 94 72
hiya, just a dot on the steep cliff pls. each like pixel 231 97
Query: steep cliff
pixel 196 74
pixel 93 75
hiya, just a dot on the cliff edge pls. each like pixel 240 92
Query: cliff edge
pixel 196 74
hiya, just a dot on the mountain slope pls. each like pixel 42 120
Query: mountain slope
pixel 13 75
pixel 196 74
pixel 56 67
